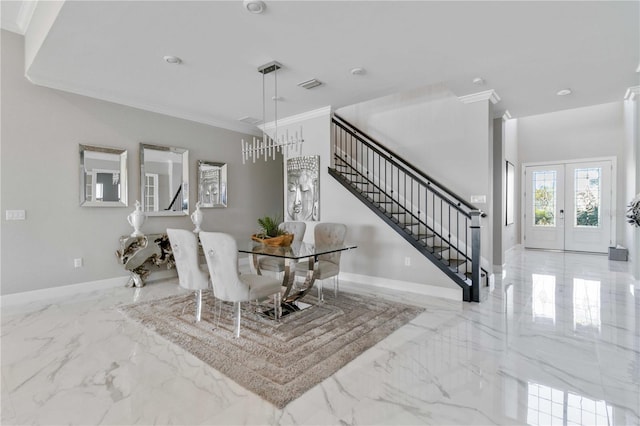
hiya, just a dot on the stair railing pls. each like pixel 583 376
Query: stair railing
pixel 431 213
pixel 172 205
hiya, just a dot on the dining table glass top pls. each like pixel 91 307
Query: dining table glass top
pixel 297 249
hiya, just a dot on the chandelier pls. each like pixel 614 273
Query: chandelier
pixel 266 147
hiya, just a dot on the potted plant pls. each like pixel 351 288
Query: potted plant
pixel 633 213
pixel 270 233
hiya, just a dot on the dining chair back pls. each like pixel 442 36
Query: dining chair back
pixel 274 264
pixel 184 246
pixel 221 253
pixel 325 235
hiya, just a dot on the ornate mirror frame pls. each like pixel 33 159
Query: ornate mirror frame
pixel 103 176
pixel 212 184
pixel 164 180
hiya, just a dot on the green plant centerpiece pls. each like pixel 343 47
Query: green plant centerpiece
pixel 270 232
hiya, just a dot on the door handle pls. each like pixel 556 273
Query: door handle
pixel 561 214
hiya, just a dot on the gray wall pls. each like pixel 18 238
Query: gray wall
pixel 632 161
pixel 505 141
pixel 511 233
pixel 41 130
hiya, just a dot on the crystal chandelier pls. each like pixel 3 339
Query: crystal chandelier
pixel 268 146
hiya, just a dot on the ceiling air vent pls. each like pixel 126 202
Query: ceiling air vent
pixel 310 84
pixel 249 120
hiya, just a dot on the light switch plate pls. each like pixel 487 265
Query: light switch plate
pixel 16 214
pixel 478 198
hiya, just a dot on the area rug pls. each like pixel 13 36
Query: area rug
pixel 279 361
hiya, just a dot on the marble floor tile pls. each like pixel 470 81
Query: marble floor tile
pixel 556 342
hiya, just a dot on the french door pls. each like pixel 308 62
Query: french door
pixel 568 206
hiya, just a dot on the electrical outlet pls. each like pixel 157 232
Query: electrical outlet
pixel 407 261
pixel 77 263
pixel 16 215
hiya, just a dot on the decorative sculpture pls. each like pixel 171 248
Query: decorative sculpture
pixel 138 254
pixel 303 192
pixel 196 218
pixel 136 219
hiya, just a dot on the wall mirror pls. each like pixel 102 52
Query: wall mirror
pixel 164 180
pixel 103 177
pixel 212 184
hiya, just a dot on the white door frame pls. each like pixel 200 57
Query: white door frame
pixel 614 186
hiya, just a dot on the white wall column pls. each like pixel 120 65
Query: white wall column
pixel 632 159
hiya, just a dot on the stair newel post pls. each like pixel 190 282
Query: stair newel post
pixel 475 255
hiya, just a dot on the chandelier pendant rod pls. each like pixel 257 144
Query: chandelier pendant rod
pixel 268 146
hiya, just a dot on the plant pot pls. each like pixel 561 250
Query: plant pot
pixel 279 241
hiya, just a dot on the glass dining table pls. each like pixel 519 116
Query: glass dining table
pixel 299 255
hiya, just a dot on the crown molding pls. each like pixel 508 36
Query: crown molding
pixel 487 95
pixel 507 115
pixel 233 125
pixel 287 121
pixel 632 93
pixel 20 22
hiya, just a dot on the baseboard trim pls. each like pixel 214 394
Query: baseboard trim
pixel 404 286
pixel 62 291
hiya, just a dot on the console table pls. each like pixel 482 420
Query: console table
pixel 137 254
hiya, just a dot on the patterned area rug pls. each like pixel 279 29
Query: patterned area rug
pixel 278 361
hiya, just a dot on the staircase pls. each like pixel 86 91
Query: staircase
pixel 439 224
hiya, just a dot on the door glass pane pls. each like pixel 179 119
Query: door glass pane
pixel 544 203
pixel 587 197
pixel 149 192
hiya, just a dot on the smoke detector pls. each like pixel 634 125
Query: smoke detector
pixel 172 60
pixel 254 6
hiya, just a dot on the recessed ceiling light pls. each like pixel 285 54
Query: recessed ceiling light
pixel 478 81
pixel 172 60
pixel 564 92
pixel 358 71
pixel 254 6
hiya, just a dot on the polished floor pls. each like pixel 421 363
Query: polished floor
pixel 557 342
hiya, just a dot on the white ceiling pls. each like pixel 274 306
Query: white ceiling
pixel 525 51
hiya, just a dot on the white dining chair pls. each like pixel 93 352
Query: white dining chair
pixel 221 253
pixel 324 235
pixel 274 264
pixel 184 245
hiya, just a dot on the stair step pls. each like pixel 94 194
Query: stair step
pixel 437 249
pixel 408 225
pixel 369 190
pixel 397 211
pixel 424 236
pixel 381 198
pixel 453 262
pixel 404 221
pixel 359 181
pixel 414 225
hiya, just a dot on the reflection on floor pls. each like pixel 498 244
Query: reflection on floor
pixel 558 342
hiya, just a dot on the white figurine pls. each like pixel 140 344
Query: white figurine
pixel 196 218
pixel 136 219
